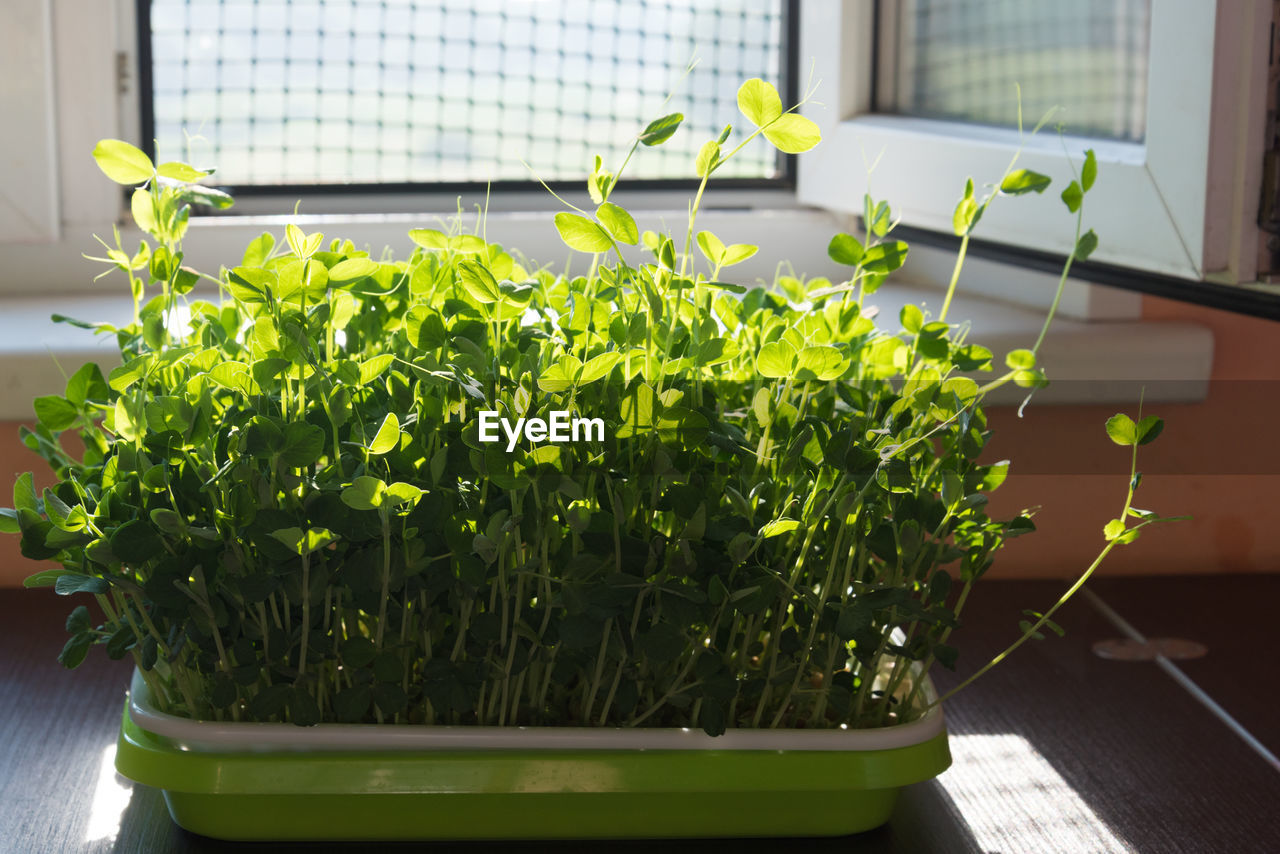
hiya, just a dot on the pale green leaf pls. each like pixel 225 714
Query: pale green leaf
pixel 758 100
pixel 793 134
pixel 581 234
pixel 122 162
pixel 387 437
pixel 618 223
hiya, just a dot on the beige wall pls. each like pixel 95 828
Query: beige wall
pixel 1218 461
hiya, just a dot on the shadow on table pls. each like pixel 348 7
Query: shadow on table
pixel 925 820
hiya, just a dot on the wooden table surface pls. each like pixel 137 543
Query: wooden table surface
pixel 1055 750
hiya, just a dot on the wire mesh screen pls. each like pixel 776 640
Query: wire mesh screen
pixel 964 61
pixel 392 91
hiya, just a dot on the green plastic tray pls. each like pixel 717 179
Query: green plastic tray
pixel 524 794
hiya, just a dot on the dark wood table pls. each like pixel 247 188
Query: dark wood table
pixel 1056 750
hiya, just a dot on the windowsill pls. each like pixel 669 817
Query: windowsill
pixel 1089 362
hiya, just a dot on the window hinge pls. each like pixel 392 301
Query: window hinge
pixel 122 72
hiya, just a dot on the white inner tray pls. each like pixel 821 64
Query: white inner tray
pixel 219 736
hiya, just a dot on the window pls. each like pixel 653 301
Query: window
pixel 1174 103
pixel 342 92
pixel 1177 126
pixel 1085 61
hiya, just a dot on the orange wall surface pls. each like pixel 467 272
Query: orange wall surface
pixel 1218 461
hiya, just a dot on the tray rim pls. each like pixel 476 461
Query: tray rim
pixel 229 736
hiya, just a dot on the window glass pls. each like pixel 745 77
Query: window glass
pixel 393 91
pixel 964 59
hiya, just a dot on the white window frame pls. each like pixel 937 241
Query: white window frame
pixel 1183 203
pixel 93 77
pixel 1186 208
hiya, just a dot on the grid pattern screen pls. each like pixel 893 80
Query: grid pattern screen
pixel 963 61
pixel 426 91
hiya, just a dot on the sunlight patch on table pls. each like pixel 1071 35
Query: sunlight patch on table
pixel 1012 799
pixel 110 799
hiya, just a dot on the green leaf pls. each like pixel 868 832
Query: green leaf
pixel 711 246
pixel 303 444
pixel 424 328
pixel 78 620
pixel 352 270
pixel 1149 429
pixel 854 619
pixel 877 219
pixel 301 543
pixel 759 101
pixel 72 583
pixel 75 649
pixel 911 318
pixel 1020 360
pixel 45 578
pixel 715 351
pixel 1072 196
pixel 122 162
pixel 793 134
pixel 1029 378
pixel 143 210
pixel 618 223
pixel 210 196
pixel 259 250
pixel 301 244
pixel 822 362
pixel 599 182
pixel 708 158
pixel 352 704
pixel 388 436
pixel 364 493
pixel 180 172
pixel 581 234
pixel 599 367
pixel 1086 245
pixel 56 413
pixel 235 376
pixel 371 369
pixel 885 257
pixel 559 375
pixel 135 542
pixel 776 359
pixel 24 493
pixel 762 406
pixel 778 527
pixel 478 282
pixel 270 701
pixel 430 238
pixel 967 212
pixel 735 254
pixel 660 130
pixel 1113 529
pixel 344 308
pixel 1122 430
pixel 1089 171
pixel 401 493
pixel 1024 181
pixel 845 249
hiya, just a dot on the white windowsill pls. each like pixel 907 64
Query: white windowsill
pixel 1090 362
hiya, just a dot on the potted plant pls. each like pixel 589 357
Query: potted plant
pixel 458 546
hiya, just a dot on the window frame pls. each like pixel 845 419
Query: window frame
pixel 1180 205
pixel 415 196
